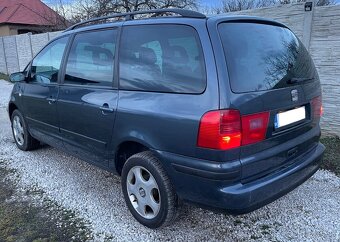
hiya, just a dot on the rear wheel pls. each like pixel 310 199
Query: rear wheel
pixel 147 190
pixel 22 137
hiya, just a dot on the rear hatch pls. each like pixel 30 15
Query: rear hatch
pixel 270 71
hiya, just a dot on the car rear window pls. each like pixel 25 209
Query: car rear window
pixel 263 56
pixel 162 58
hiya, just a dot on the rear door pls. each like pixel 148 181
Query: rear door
pixel 87 98
pixel 271 71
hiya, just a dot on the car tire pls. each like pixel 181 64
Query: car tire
pixel 21 135
pixel 148 191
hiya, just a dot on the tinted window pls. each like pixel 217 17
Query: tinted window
pixel 45 66
pixel 91 59
pixel 162 58
pixel 263 57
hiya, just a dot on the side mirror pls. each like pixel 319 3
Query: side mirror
pixel 17 77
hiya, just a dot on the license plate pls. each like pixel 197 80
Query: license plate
pixel 289 117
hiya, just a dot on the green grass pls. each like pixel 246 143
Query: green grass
pixel 331 160
pixel 22 220
pixel 4 77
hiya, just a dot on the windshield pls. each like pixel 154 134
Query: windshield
pixel 263 56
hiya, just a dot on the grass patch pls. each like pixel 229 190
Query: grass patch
pixel 331 160
pixel 23 220
pixel 4 76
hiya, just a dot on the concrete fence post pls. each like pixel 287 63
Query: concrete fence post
pixel 308 25
pixel 4 67
pixel 16 51
pixel 30 41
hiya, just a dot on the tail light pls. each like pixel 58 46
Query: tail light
pixel 227 129
pixel 317 107
pixel 220 130
pixel 254 127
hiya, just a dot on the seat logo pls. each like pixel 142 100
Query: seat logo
pixel 295 95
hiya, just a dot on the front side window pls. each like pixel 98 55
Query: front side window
pixel 162 58
pixel 91 58
pixel 45 66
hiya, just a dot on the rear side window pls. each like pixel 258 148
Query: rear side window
pixel 263 57
pixel 162 58
pixel 91 58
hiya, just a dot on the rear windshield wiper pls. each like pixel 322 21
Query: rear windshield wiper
pixel 297 80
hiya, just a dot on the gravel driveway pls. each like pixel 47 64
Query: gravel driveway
pixel 309 213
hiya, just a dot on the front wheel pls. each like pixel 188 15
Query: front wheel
pixel 148 191
pixel 22 137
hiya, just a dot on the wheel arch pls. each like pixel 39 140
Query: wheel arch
pixel 126 149
pixel 11 107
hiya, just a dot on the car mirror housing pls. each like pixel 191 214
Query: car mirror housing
pixel 17 77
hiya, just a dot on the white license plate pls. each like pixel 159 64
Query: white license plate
pixel 290 117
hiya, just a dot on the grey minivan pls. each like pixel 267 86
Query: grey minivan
pixel 219 111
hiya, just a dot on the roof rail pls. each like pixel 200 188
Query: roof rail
pixel 156 12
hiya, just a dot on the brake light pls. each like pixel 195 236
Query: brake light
pixel 226 129
pixel 317 107
pixel 220 130
pixel 254 127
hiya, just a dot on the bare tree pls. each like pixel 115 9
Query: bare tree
pixel 64 14
pixel 239 5
pixel 94 8
pixel 318 3
pixel 60 17
pixel 135 5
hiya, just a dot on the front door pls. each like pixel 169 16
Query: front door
pixel 87 100
pixel 40 92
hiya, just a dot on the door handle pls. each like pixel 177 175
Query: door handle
pixel 51 100
pixel 106 109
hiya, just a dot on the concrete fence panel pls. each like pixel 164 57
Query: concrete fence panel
pixel 52 35
pixel 291 14
pixel 24 49
pixel 325 51
pixel 38 42
pixel 11 54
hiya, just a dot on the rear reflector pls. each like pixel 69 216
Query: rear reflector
pixel 317 107
pixel 226 129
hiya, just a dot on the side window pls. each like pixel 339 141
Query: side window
pixel 91 58
pixel 46 64
pixel 162 58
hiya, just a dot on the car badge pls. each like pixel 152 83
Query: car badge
pixel 295 95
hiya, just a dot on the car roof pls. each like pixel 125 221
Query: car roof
pixel 186 16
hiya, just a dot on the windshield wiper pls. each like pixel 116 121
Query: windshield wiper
pixel 297 80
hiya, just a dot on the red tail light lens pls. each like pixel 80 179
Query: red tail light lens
pixel 220 130
pixel 254 127
pixel 317 107
pixel 226 129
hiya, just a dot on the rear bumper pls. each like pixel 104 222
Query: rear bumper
pixel 207 188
